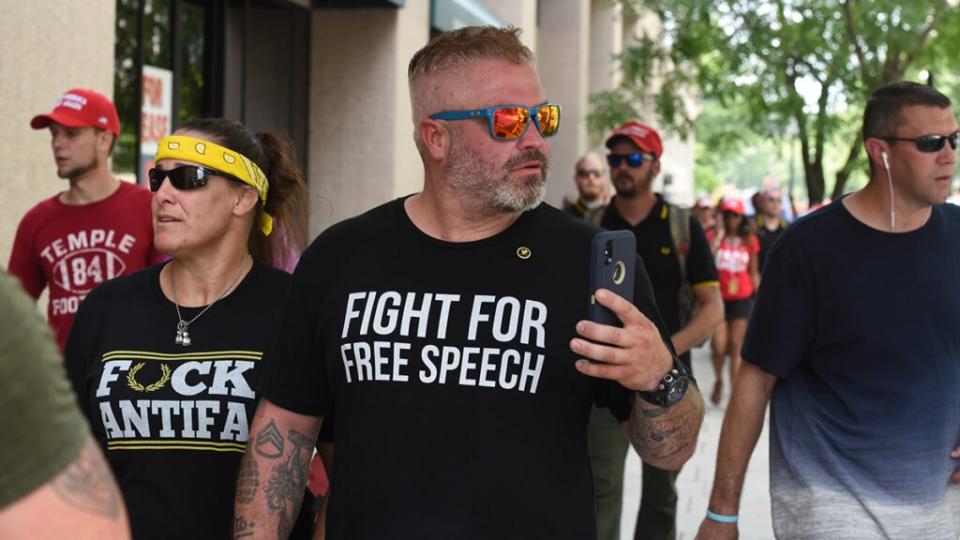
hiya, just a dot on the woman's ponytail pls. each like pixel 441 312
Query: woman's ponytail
pixel 286 203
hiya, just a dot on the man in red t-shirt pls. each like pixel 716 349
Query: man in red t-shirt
pixel 97 229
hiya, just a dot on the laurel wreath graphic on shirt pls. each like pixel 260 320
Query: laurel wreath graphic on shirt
pixel 153 387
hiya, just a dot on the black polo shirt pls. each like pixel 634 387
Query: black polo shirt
pixel 655 246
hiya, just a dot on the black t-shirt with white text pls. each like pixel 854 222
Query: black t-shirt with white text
pixel 459 411
pixel 173 421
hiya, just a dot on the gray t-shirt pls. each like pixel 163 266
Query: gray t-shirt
pixel 861 328
pixel 42 428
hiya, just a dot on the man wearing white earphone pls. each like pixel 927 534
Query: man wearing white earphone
pixel 855 343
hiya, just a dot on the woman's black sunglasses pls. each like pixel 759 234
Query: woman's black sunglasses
pixel 184 177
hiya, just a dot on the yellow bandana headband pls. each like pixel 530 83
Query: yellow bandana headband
pixel 221 159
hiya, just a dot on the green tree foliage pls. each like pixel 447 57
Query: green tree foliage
pixel 743 159
pixel 779 63
pixel 158 50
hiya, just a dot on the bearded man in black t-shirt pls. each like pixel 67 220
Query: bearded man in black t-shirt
pixel 447 331
pixel 683 275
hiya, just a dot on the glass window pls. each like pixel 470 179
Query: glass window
pixel 125 95
pixel 247 60
pixel 180 50
pixel 156 35
pixel 192 41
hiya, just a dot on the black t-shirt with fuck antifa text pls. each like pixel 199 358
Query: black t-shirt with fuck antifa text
pixel 173 421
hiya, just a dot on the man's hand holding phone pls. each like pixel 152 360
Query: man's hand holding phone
pixel 620 343
pixel 634 355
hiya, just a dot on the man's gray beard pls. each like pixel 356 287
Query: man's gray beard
pixel 487 190
pixel 508 198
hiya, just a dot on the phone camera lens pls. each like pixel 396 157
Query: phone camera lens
pixel 619 272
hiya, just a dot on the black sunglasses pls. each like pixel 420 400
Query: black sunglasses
pixel 929 143
pixel 184 177
pixel 634 159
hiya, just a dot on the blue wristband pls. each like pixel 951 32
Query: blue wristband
pixel 722 518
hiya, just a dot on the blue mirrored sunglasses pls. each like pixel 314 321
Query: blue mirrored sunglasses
pixel 634 159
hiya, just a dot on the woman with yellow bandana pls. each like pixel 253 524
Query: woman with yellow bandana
pixel 166 361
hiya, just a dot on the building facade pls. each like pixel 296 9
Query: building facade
pixel 329 73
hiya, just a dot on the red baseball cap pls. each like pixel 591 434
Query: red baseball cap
pixel 644 136
pixel 730 204
pixel 81 107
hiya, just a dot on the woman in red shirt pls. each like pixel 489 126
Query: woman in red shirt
pixel 735 248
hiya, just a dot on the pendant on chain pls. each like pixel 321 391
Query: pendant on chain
pixel 183 337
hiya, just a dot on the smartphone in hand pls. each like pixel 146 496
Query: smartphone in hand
pixel 613 258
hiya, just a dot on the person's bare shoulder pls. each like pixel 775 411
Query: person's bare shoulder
pixel 82 502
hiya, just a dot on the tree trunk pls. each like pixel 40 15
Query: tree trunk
pixel 844 173
pixel 812 166
pixel 815 182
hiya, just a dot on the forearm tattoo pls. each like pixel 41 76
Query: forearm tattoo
pixel 243 528
pixel 284 487
pixel 269 443
pixel 661 434
pixel 248 480
pixel 86 484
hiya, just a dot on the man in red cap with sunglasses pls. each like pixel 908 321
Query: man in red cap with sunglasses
pixel 676 255
pixel 447 333
pixel 99 228
pixel 854 343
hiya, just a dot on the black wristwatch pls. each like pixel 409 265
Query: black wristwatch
pixel 672 387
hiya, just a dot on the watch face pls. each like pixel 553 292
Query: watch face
pixel 672 388
pixel 677 390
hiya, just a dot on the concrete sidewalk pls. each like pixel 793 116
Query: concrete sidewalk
pixel 696 478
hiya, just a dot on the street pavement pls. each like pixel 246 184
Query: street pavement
pixel 696 478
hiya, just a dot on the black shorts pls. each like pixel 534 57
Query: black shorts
pixel 737 309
